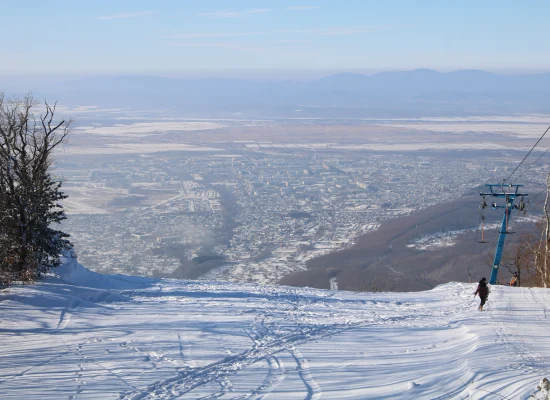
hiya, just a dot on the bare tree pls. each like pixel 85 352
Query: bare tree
pixel 376 285
pixel 29 195
pixel 542 251
pixel 519 258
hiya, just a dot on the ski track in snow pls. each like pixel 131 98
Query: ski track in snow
pixel 187 381
pixel 225 386
pixel 185 351
pixel 65 315
pixel 525 359
pixel 274 378
pixel 276 372
pixel 149 356
pixel 313 390
pixel 205 340
pixel 23 373
pixel 266 347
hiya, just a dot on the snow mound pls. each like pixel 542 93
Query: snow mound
pixel 72 272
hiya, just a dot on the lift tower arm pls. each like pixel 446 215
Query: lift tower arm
pixel 508 192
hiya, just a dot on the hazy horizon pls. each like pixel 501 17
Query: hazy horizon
pixel 252 74
pixel 175 39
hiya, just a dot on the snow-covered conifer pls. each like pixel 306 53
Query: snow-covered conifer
pixel 29 194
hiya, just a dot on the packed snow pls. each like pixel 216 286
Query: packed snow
pixel 82 335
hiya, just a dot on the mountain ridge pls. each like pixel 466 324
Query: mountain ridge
pixel 418 92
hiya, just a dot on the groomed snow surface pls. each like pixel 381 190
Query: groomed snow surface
pixel 87 336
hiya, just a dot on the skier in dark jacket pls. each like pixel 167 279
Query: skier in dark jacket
pixel 514 280
pixel 483 291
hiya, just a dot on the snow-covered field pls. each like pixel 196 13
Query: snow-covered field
pixel 389 146
pixel 147 128
pixel 517 125
pixel 88 336
pixel 132 148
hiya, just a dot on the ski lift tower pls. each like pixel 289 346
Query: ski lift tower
pixel 510 193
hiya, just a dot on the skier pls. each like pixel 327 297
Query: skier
pixel 483 291
pixel 514 280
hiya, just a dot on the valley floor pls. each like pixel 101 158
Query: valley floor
pixel 138 338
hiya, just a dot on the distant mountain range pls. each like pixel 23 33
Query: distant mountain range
pixel 385 94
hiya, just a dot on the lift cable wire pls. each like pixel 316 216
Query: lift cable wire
pixel 527 155
pixel 508 196
pixel 473 244
pixel 538 194
pixel 536 161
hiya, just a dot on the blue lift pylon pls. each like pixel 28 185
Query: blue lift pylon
pixel 510 193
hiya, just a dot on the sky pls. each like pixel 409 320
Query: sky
pixel 270 38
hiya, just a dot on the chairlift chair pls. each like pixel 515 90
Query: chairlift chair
pixel 482 207
pixel 482 229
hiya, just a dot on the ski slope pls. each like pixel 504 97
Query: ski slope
pixel 87 336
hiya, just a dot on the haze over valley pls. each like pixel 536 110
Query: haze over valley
pixel 259 200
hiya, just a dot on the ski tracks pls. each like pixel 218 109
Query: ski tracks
pixel 64 319
pixel 185 352
pixel 276 373
pixel 45 362
pixel 527 360
pixel 269 339
pixel 188 380
pixel 66 313
pixel 83 360
pixel 150 356
pixel 313 390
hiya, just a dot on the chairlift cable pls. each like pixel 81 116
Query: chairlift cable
pixel 527 155
pixel 482 218
pixel 536 161
pixel 472 248
pixel 538 194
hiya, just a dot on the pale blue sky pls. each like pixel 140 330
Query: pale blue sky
pixel 184 37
